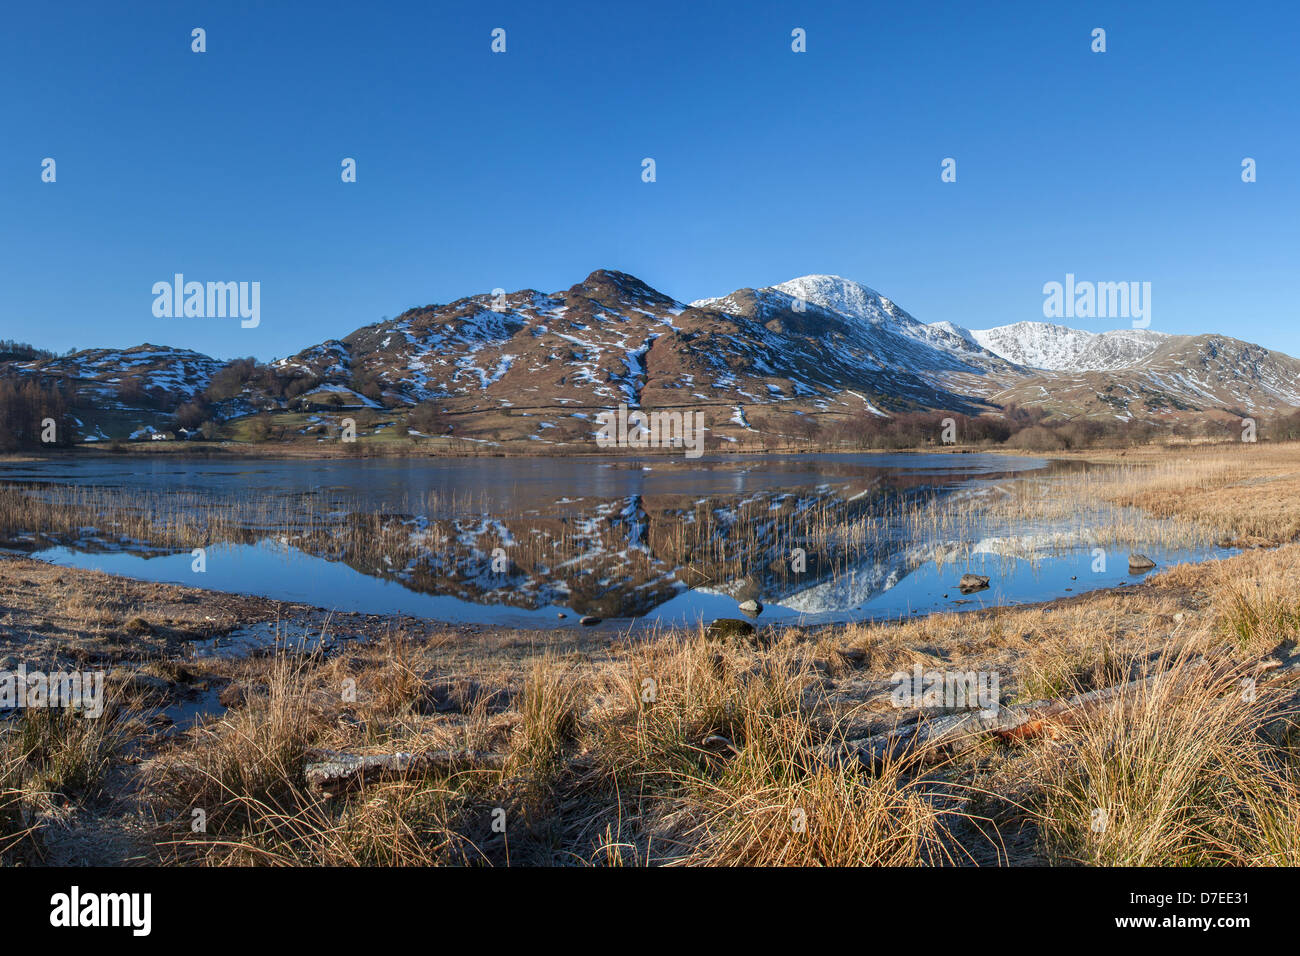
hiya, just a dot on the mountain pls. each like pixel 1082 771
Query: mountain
pixel 1125 374
pixel 561 357
pixel 854 301
pixel 123 392
pixel 1055 347
pixel 1185 378
pixel 540 366
pixel 156 370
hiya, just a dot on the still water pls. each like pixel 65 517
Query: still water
pixel 541 542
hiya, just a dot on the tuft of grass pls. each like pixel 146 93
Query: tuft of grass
pixel 777 805
pixel 55 756
pixel 65 752
pixel 1258 611
pixel 549 713
pixel 244 771
pixel 1178 775
pixel 19 835
pixel 727 755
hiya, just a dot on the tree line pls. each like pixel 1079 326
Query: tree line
pixel 27 406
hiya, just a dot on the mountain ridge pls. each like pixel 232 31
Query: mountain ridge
pixel 816 345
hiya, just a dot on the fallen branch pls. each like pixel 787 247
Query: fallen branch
pixel 944 733
pixel 334 772
pixel 1021 721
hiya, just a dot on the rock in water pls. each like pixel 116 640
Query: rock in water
pixel 973 582
pixel 752 608
pixel 588 620
pixel 1137 563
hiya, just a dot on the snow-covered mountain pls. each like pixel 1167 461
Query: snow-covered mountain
pixel 534 365
pixel 1055 347
pixel 611 338
pixel 1034 345
pixel 872 316
pixel 152 369
pixel 845 297
pixel 1125 373
pixel 816 344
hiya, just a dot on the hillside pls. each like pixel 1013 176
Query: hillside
pixel 538 367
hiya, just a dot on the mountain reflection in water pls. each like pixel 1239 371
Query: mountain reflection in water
pixel 521 541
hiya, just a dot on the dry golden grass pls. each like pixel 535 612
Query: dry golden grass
pixel 243 774
pixel 19 833
pixel 1179 774
pixel 714 762
pixel 67 752
pixel 51 758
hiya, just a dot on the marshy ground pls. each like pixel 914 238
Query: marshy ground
pixel 684 746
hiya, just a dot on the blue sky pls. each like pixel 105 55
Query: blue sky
pixel 479 170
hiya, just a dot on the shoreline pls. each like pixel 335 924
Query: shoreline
pixel 335 450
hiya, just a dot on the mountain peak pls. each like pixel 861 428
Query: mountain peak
pixel 841 295
pixel 610 283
